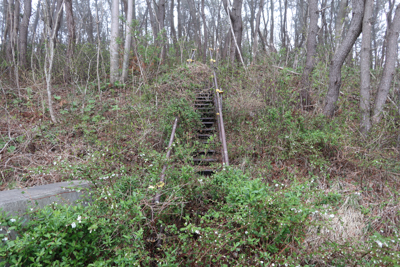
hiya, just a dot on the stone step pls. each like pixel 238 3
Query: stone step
pixel 204 161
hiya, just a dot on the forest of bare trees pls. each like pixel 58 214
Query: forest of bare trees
pixel 282 117
pixel 71 41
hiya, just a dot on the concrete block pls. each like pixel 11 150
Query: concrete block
pixel 16 201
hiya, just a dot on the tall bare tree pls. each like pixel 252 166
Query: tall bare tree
pixel 340 22
pixel 195 23
pixel 23 34
pixel 335 75
pixel 203 15
pixel 71 39
pixel 235 16
pixel 389 69
pixel 284 22
pixel 56 22
pixel 12 27
pixel 179 11
pixel 311 51
pixel 35 22
pixel 257 30
pixel 365 123
pixel 157 19
pixel 114 41
pixel 172 27
pixel 49 56
pixel 128 39
pixel 388 23
pixel 153 22
pixel 271 31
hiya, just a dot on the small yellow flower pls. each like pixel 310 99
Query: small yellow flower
pixel 160 184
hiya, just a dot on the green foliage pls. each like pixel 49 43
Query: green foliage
pixel 188 117
pixel 246 218
pixel 60 235
pixel 55 236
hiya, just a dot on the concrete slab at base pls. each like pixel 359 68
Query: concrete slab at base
pixel 16 201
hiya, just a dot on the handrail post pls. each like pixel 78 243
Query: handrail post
pixel 220 119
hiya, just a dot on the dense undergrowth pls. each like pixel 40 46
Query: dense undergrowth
pixel 302 190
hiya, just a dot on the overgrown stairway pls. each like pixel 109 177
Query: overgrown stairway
pixel 206 154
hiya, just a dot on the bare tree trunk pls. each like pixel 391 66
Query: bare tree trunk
pixel 340 22
pixel 49 46
pixel 264 42
pixel 23 34
pixel 225 47
pixel 36 21
pixel 335 75
pixel 153 22
pixel 172 26
pixel 281 22
pixel 331 22
pixel 34 28
pixel 252 6
pixel 192 10
pixel 113 41
pixel 161 21
pixel 4 24
pixel 235 16
pixel 266 21
pixel 218 34
pixel 388 22
pixel 13 44
pixel 298 28
pixel 57 22
pixel 257 31
pixel 271 31
pixel 375 48
pixel 89 26
pixel 6 33
pixel 311 52
pixel 134 10
pixel 304 23
pixel 365 123
pixel 179 19
pixel 389 69
pixel 128 39
pixel 205 32
pixel 71 40
pixel 324 23
pixel 284 33
pixel 17 7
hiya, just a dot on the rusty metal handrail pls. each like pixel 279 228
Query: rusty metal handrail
pixel 191 59
pixel 220 118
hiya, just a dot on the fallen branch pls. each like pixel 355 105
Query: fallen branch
pixel 281 68
pixel 162 177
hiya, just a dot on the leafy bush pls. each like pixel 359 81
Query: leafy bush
pixel 235 216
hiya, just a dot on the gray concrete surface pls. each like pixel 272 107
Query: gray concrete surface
pixel 16 201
